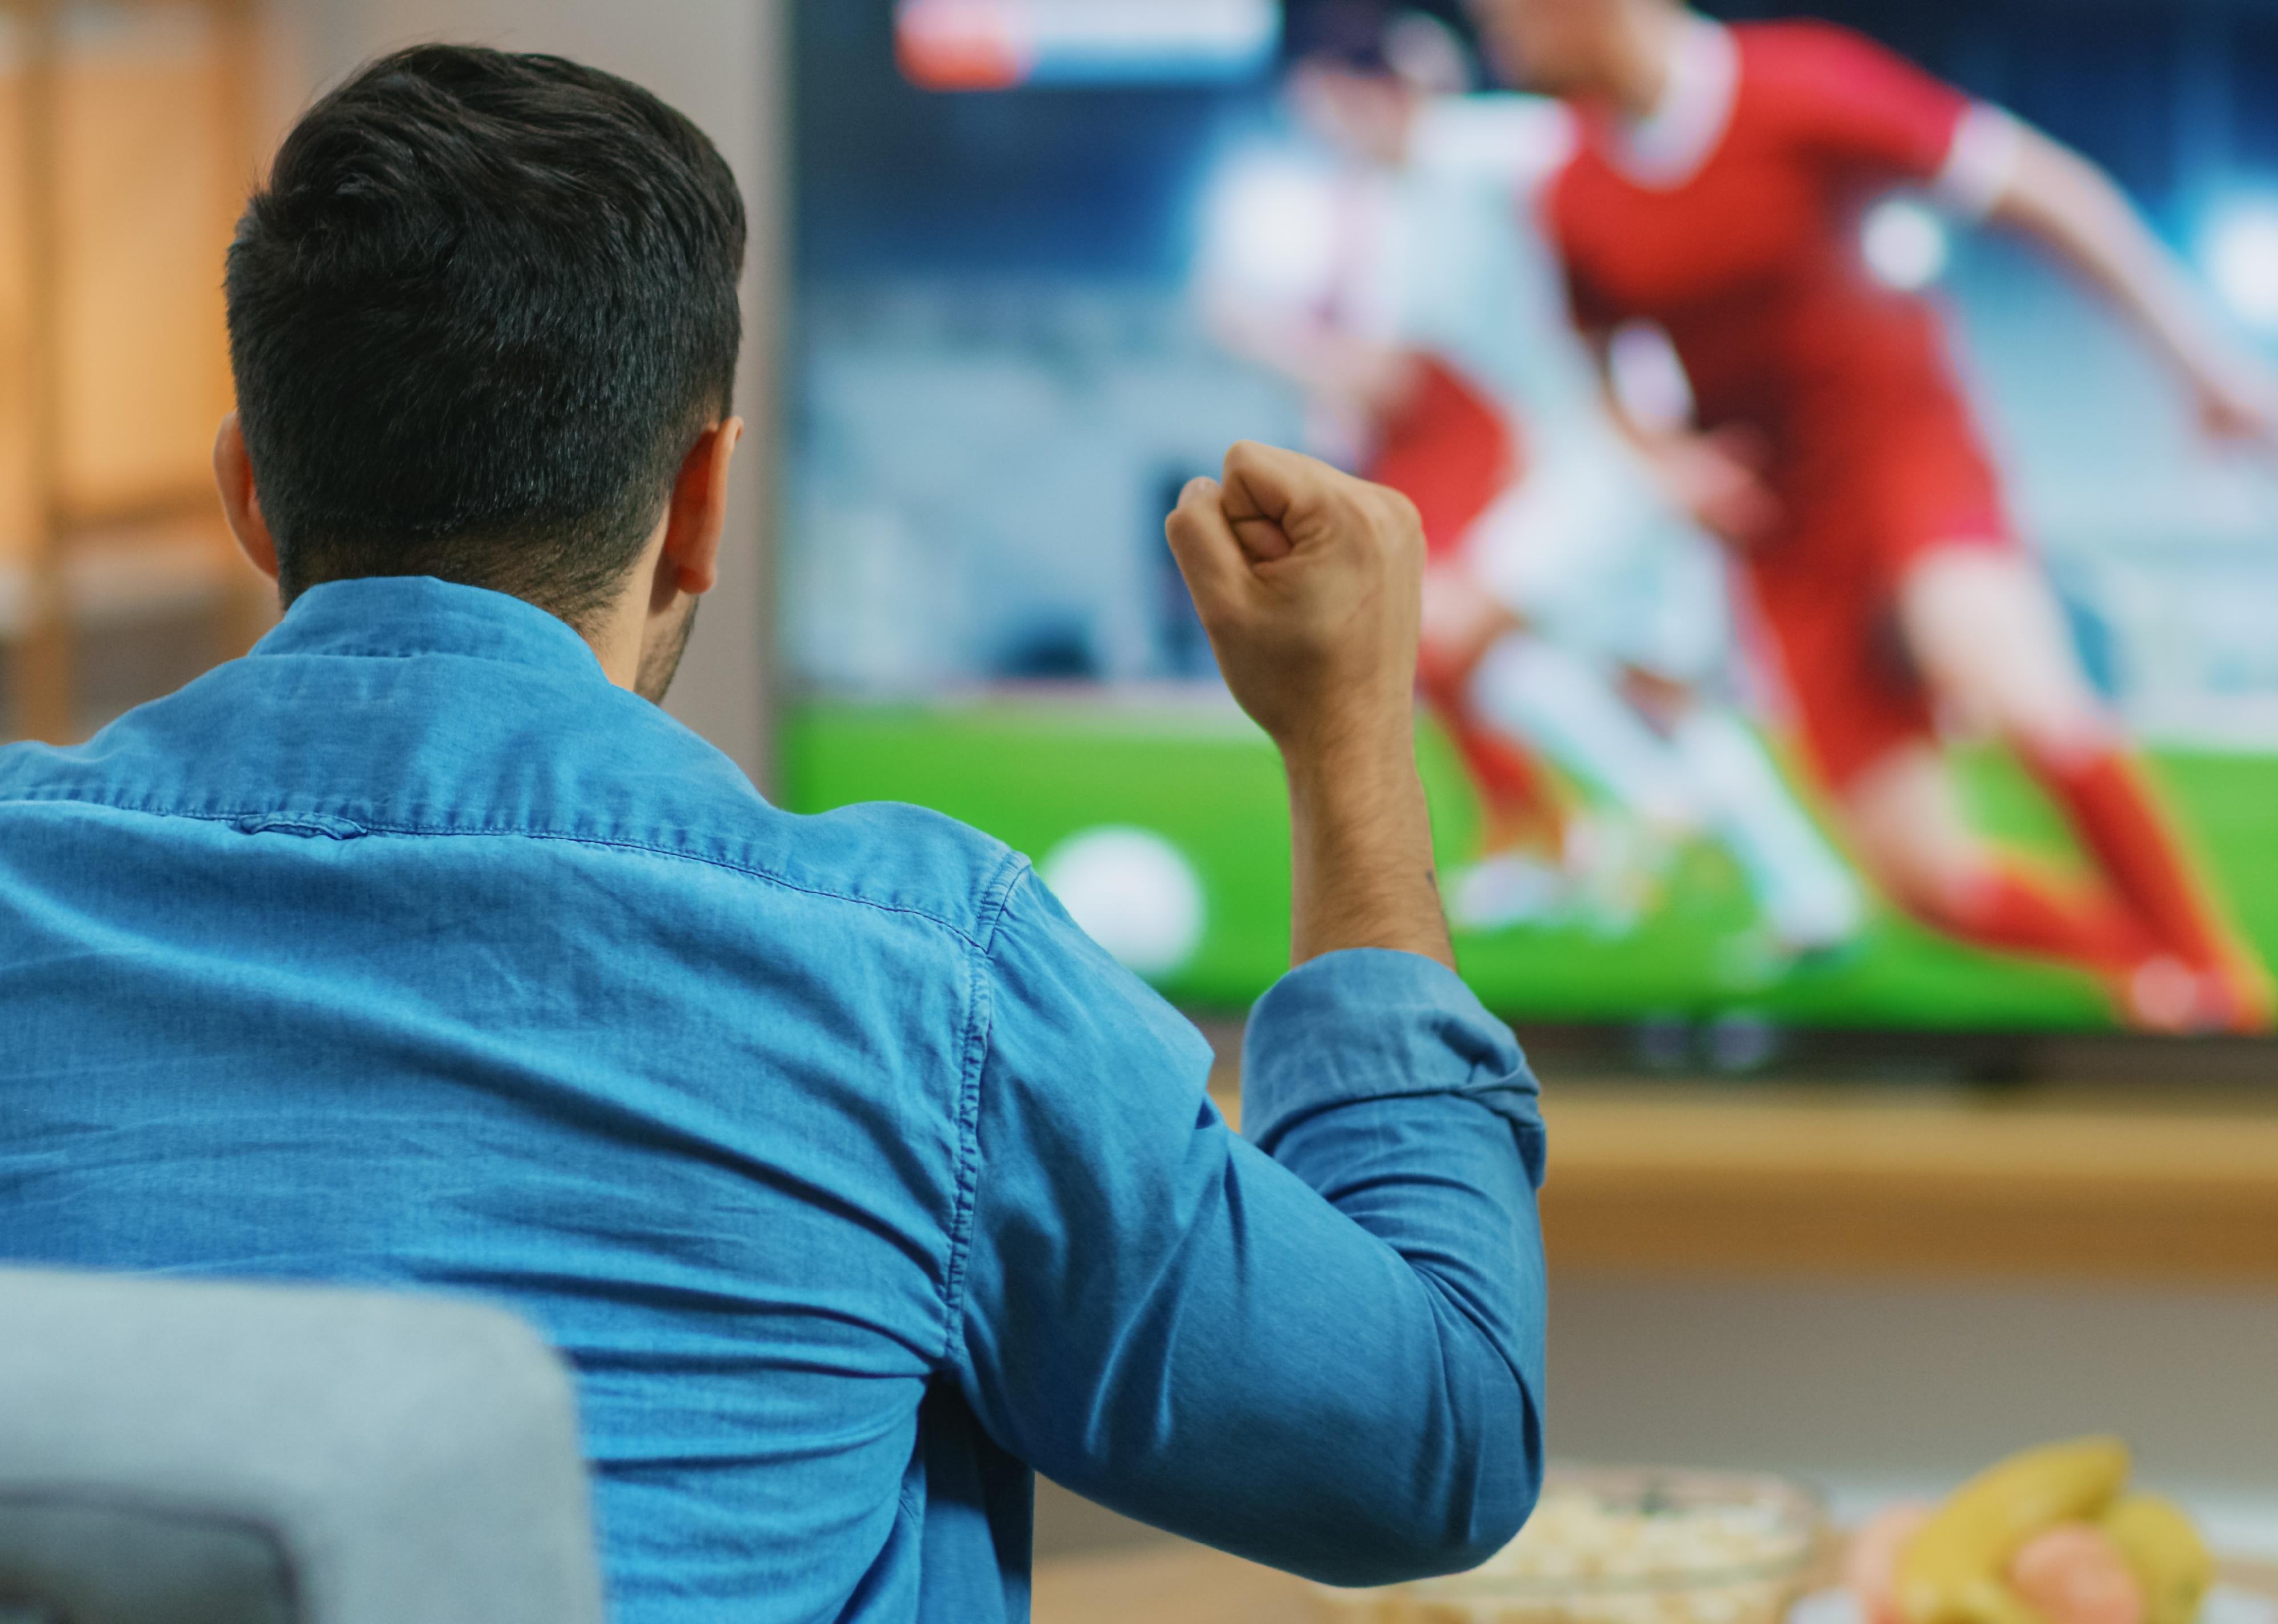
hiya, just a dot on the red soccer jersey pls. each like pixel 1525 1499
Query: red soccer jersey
pixel 1745 247
pixel 1732 220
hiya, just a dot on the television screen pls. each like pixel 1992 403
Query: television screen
pixel 1854 585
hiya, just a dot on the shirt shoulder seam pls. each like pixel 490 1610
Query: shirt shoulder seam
pixel 992 899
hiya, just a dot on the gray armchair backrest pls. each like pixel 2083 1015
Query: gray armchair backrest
pixel 187 1453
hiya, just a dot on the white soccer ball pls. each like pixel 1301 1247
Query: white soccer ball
pixel 1134 893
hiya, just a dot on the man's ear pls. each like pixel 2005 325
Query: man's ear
pixel 239 501
pixel 691 561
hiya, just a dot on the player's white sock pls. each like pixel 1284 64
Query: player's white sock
pixel 1568 710
pixel 1810 897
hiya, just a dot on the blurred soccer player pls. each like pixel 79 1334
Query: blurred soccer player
pixel 1717 190
pixel 1572 607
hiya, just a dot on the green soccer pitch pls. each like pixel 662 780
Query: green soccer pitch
pixel 1034 772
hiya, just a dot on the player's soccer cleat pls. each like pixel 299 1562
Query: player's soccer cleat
pixel 2163 994
pixel 1618 870
pixel 1506 891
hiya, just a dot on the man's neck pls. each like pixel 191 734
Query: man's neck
pixel 619 633
pixel 616 644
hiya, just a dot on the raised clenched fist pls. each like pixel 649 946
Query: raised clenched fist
pixel 1309 583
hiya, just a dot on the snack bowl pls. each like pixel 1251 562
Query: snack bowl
pixel 1625 1546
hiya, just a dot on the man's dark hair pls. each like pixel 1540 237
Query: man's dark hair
pixel 1349 33
pixel 479 314
pixel 1356 35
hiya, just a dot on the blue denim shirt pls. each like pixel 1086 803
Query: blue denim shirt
pixel 854 1180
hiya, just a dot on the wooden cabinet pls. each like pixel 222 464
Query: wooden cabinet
pixel 127 152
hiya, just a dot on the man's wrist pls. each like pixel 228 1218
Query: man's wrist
pixel 1363 834
pixel 1357 746
pixel 1344 786
pixel 1356 773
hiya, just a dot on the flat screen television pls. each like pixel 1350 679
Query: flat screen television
pixel 1053 256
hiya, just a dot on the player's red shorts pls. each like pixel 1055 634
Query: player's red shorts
pixel 1913 480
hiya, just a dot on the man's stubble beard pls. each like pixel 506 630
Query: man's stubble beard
pixel 661 660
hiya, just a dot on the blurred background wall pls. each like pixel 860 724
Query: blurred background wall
pixel 1877 1389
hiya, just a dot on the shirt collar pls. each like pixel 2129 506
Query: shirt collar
pixel 1667 146
pixel 396 617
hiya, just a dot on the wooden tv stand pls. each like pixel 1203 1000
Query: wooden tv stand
pixel 2154 1183
pixel 2157 1181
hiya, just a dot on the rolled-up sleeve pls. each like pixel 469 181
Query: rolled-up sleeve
pixel 1320 1350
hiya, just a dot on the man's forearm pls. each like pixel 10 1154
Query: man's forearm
pixel 1322 1351
pixel 1311 585
pixel 1361 837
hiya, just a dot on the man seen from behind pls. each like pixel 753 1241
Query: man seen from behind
pixel 419 948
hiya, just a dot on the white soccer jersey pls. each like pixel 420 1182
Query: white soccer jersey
pixel 1586 545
